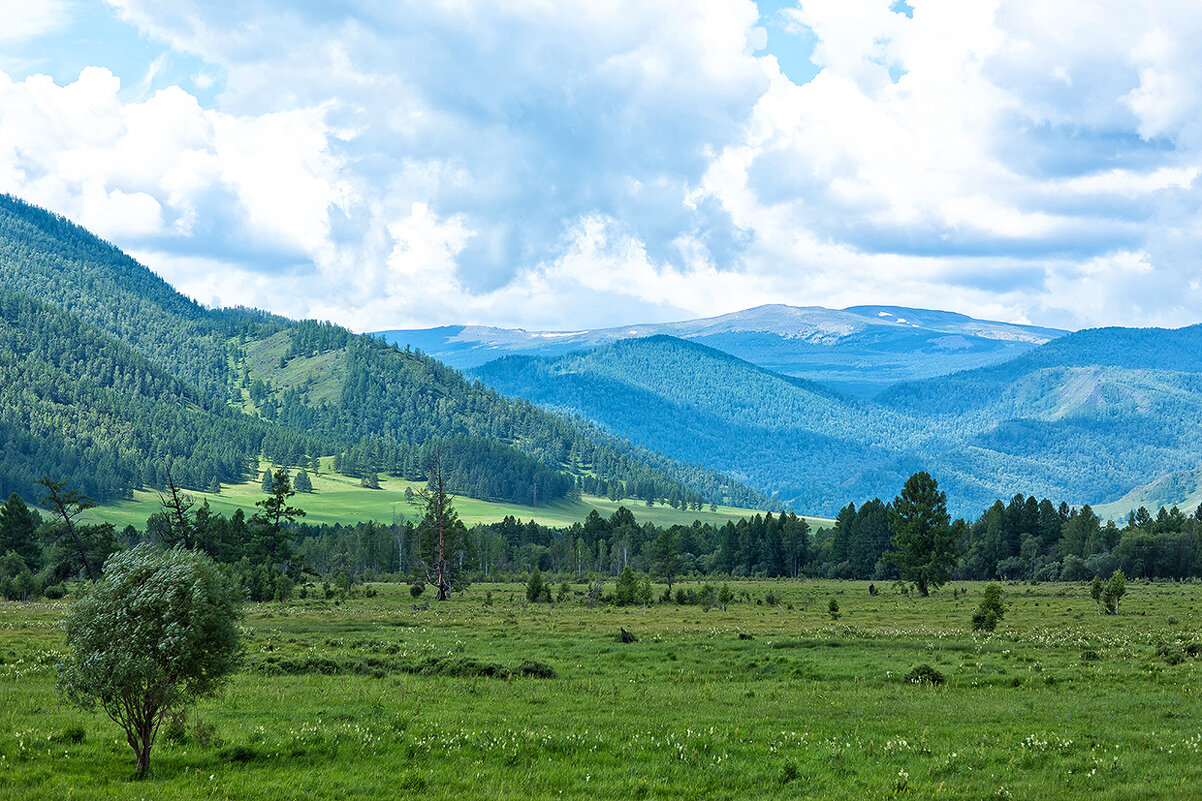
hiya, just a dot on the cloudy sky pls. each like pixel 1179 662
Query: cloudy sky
pixel 565 164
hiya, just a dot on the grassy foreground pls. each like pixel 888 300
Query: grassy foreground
pixel 372 698
pixel 338 499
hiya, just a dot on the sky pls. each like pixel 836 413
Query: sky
pixel 569 165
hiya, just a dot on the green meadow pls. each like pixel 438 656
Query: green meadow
pixel 338 499
pixel 777 695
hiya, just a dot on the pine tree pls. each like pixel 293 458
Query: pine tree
pixel 924 541
pixel 18 531
pixel 302 482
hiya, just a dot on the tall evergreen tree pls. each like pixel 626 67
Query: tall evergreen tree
pixel 270 538
pixel 665 556
pixel 18 531
pixel 924 541
pixel 440 532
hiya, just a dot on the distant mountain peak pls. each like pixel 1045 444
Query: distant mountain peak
pixel 860 349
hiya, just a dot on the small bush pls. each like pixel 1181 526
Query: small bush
pixel 238 752
pixel 992 609
pixel 55 591
pixel 417 589
pixel 72 734
pixel 537 670
pixel 535 587
pixel 1171 654
pixel 1090 655
pixel 924 674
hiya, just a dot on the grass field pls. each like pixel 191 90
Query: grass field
pixel 371 698
pixel 338 499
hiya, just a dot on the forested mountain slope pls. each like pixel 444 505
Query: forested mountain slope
pixel 79 403
pixel 860 350
pixel 1109 410
pixel 122 376
pixel 808 444
pixel 1078 419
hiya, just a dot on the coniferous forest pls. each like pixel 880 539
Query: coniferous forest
pixel 113 381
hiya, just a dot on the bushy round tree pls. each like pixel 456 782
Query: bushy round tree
pixel 155 633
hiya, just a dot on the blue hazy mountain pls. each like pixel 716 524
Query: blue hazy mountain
pixel 860 350
pixel 1089 417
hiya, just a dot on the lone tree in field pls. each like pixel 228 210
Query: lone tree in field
pixel 176 506
pixel 440 532
pixel 665 556
pixel 924 541
pixel 271 543
pixel 157 632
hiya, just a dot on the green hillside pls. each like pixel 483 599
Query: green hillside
pixel 115 380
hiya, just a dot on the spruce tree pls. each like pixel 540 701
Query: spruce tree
pixel 18 531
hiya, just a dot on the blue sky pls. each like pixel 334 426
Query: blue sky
pixel 565 165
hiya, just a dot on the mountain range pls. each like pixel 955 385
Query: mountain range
pixel 1095 416
pixel 860 350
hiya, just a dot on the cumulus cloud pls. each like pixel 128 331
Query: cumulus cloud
pixel 579 163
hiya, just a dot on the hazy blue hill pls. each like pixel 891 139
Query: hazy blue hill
pixel 1072 420
pixel 859 350
pixel 811 446
pixel 1108 410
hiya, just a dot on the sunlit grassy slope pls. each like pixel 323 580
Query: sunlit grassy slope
pixel 338 499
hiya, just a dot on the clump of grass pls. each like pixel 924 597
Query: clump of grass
pixel 74 735
pixel 924 674
pixel 536 670
pixel 238 752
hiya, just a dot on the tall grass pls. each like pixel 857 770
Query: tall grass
pixel 371 698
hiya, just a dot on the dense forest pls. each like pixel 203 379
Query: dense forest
pixel 113 381
pixel 1087 417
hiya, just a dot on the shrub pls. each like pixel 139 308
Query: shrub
pixel 992 609
pixel 627 592
pixel 1114 590
pixel 55 591
pixel 417 589
pixel 924 674
pixel 535 587
pixel 537 670
pixel 832 609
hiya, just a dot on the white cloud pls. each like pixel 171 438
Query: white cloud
pixel 408 164
pixel 29 19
